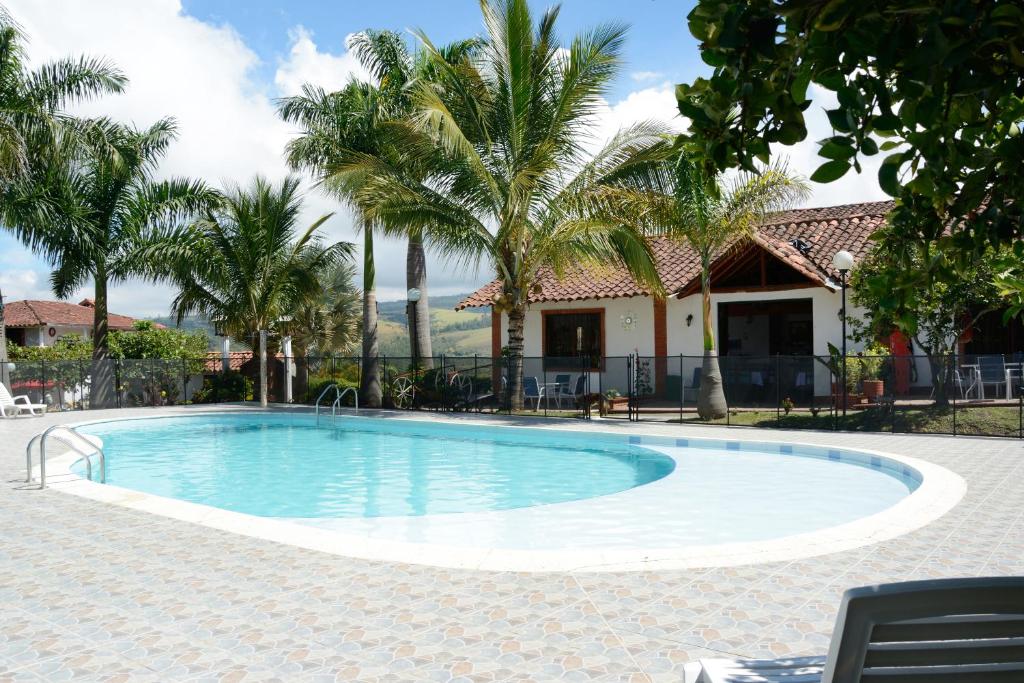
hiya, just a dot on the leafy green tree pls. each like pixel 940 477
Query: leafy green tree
pixel 713 215
pixel 156 363
pixel 60 368
pixel 252 264
pixel 501 135
pixel 948 301
pixel 95 211
pixel 939 82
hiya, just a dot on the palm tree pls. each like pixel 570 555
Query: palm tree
pixel 252 265
pixel 30 108
pixel 503 135
pixel 354 121
pixel 328 322
pixel 31 100
pixel 95 212
pixel 713 215
pixel 333 122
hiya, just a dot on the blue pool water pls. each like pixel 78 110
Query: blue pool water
pixel 287 466
pixel 284 465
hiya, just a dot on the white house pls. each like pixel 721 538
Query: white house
pixel 776 301
pixel 41 323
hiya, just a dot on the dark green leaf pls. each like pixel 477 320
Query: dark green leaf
pixel 830 170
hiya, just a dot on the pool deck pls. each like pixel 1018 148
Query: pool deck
pixel 97 591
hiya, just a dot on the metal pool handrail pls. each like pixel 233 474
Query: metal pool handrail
pixel 338 395
pixel 68 436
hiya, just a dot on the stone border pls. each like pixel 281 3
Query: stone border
pixel 938 492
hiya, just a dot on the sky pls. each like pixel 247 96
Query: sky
pixel 218 66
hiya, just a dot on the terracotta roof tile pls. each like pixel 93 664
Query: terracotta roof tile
pixel 30 313
pixel 827 230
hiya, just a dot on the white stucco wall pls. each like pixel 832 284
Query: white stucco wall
pixel 40 336
pixel 686 340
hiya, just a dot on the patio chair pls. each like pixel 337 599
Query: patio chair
pixel 579 388
pixel 992 370
pixel 12 406
pixel 561 384
pixel 940 631
pixel 532 391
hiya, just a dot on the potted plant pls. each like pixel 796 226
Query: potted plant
pixel 853 375
pixel 872 365
pixel 615 400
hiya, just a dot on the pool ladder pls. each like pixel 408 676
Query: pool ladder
pixel 339 394
pixel 72 439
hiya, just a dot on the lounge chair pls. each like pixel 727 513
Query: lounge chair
pixel 532 391
pixel 12 406
pixel 940 631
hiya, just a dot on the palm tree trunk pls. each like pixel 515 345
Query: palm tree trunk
pixel 263 367
pixel 370 386
pixel 416 277
pixel 516 322
pixel 711 403
pixel 101 393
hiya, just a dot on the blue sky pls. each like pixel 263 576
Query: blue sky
pixel 218 66
pixel 659 41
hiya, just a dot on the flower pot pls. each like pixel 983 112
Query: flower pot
pixel 873 388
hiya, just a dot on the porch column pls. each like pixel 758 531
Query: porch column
pixel 660 347
pixel 225 354
pixel 495 352
pixel 286 348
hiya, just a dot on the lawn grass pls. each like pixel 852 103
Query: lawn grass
pixel 981 421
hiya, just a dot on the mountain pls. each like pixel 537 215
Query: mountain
pixel 453 333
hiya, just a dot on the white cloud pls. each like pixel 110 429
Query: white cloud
pixel 803 158
pixel 307 64
pixel 645 76
pixel 19 284
pixel 656 104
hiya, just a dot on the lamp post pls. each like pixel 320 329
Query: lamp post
pixel 843 262
pixel 284 322
pixel 412 297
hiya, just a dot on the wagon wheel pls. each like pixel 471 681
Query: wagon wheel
pixel 403 392
pixel 463 386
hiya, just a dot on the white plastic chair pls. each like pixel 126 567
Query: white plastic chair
pixel 12 406
pixel 578 389
pixel 532 390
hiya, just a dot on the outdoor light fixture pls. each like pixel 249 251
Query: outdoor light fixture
pixel 413 294
pixel 689 320
pixel 628 321
pixel 218 328
pixel 843 261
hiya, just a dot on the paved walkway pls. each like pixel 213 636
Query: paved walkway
pixel 99 592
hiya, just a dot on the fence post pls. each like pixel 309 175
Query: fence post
pixel 184 381
pixel 953 393
pixel 778 390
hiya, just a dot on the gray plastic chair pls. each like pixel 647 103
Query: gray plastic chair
pixel 942 631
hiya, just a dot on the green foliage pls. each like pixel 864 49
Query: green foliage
pixel 316 387
pixel 251 264
pixel 146 340
pixel 948 298
pixel 223 387
pixel 67 347
pixel 939 83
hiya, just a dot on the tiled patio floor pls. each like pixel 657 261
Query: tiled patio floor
pixel 99 592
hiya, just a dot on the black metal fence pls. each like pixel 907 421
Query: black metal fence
pixel 902 394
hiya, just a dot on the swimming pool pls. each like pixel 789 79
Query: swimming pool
pixel 291 466
pixel 493 493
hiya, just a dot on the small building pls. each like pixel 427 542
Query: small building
pixel 41 323
pixel 774 296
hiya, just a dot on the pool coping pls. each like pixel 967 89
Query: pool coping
pixel 938 492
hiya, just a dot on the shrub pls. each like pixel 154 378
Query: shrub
pixel 228 386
